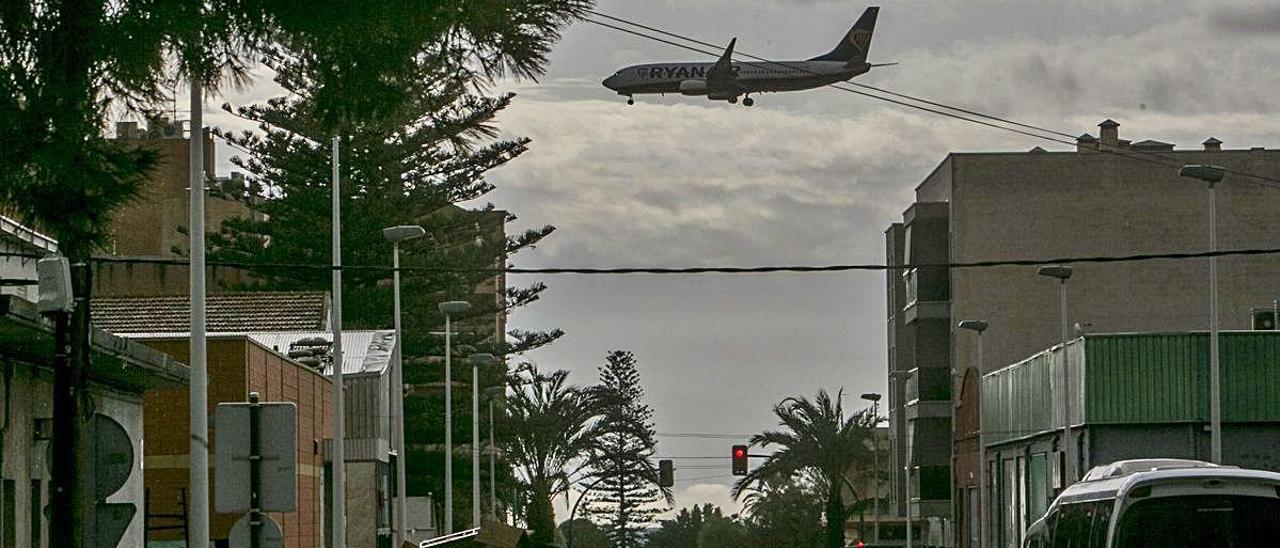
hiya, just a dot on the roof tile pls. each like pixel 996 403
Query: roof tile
pixel 275 311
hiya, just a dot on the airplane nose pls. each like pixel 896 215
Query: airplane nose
pixel 611 82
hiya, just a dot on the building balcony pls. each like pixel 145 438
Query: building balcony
pixel 928 384
pixel 930 493
pixel 923 409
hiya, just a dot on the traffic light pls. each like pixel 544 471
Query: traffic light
pixel 739 460
pixel 666 474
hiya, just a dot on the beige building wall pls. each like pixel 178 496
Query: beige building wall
pixel 1051 205
pixel 149 226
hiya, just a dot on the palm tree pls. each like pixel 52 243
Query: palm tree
pixel 820 444
pixel 552 425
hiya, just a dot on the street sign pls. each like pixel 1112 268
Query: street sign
pixel 271 537
pixel 279 441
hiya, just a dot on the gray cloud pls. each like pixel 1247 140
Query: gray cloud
pixel 1249 20
pixel 815 177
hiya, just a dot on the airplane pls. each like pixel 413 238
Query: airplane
pixel 727 80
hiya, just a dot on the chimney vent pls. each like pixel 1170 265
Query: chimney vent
pixel 1110 136
pixel 1086 143
pixel 1213 144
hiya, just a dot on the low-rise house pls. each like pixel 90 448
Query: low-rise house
pixel 238 364
pixel 279 345
pixel 120 374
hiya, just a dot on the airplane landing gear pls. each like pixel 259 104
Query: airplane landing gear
pixel 748 102
pixel 630 101
pixel 733 100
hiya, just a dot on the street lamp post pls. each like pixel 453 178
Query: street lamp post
pixel 906 470
pixel 493 468
pixel 1212 175
pixel 493 392
pixel 476 360
pixel 339 455
pixel 449 309
pixel 1062 273
pixel 874 398
pixel 395 235
pixel 979 326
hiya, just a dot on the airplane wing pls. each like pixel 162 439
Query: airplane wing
pixel 722 76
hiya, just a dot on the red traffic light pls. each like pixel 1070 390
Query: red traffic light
pixel 739 460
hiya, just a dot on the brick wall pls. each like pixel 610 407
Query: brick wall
pixel 236 367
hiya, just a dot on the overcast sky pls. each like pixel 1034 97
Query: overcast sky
pixel 815 177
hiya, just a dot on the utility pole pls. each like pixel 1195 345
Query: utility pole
pixel 198 394
pixel 493 476
pixel 339 486
pixel 66 496
pixel 1212 175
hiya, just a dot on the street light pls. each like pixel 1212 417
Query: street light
pixel 979 326
pixel 1212 175
pixel 493 392
pixel 1062 273
pixel 902 377
pixel 874 398
pixel 449 309
pixel 395 235
pixel 476 360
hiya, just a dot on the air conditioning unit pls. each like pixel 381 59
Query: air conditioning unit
pixel 1264 320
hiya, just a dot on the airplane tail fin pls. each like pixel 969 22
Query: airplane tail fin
pixel 853 48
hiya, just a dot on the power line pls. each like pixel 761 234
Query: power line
pixel 1136 155
pixel 885 91
pixel 694 458
pixel 1096 259
pixel 702 435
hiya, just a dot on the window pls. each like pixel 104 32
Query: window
pixel 1037 486
pixel 10 534
pixel 1009 490
pixel 1100 522
pixel 36 513
pixel 972 519
pixel 1206 520
pixel 1070 528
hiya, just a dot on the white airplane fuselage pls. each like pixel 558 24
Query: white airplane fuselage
pixel 752 77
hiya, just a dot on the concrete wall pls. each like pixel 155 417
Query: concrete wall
pixel 150 224
pixel 1021 206
pixel 1244 445
pixel 26 458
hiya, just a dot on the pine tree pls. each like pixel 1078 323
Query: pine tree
pixel 426 145
pixel 626 498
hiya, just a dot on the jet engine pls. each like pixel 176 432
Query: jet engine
pixel 693 87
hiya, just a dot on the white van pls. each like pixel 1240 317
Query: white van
pixel 1163 503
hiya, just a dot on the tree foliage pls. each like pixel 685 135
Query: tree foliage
pixel 784 513
pixel 414 142
pixel 682 530
pixel 625 497
pixel 817 443
pixel 584 533
pixel 551 425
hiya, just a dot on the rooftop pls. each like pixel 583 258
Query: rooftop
pixel 225 312
pixel 362 351
pixel 27 336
